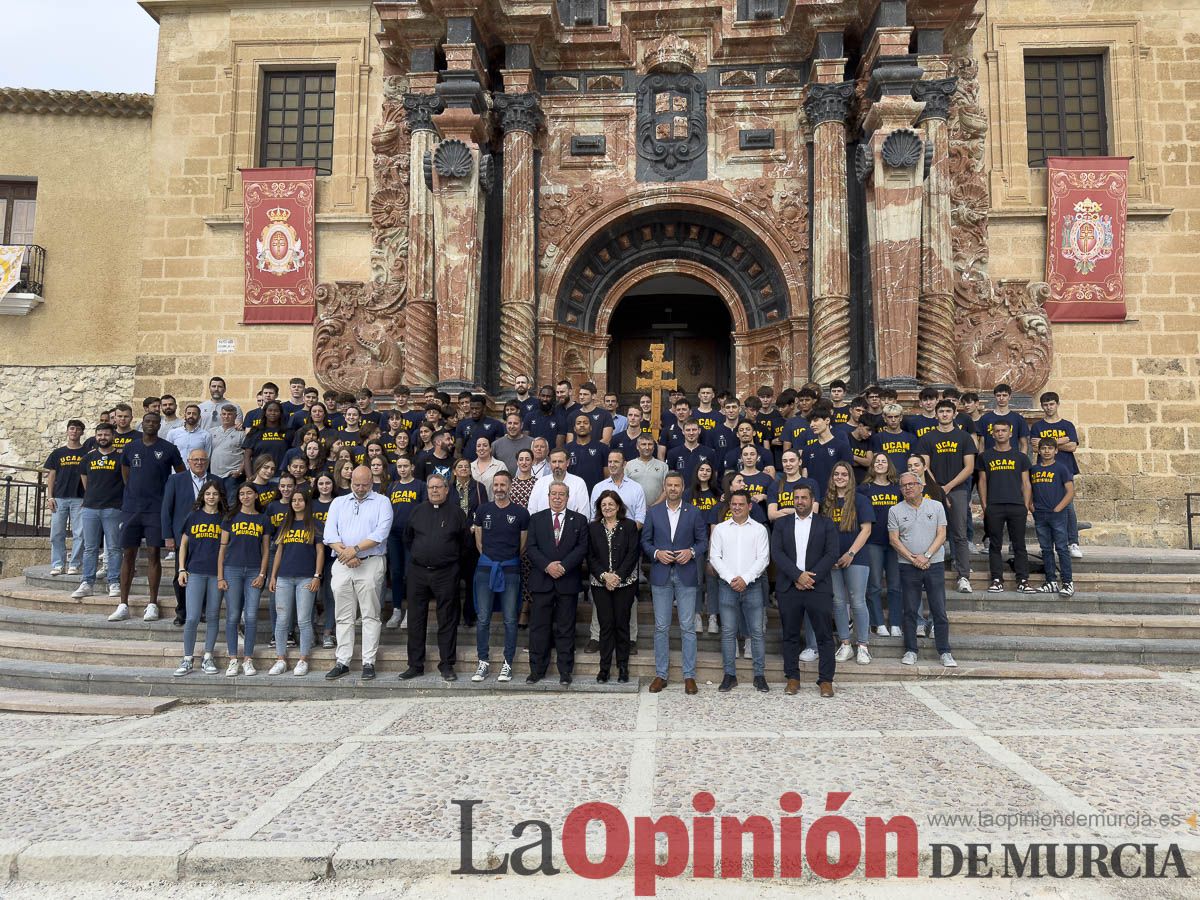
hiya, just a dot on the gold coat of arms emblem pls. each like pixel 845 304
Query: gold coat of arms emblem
pixel 278 247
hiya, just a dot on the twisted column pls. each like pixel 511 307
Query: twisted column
pixel 420 333
pixel 935 316
pixel 520 119
pixel 827 106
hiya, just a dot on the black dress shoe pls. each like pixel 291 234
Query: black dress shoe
pixel 410 673
pixel 760 684
pixel 450 676
pixel 564 679
pixel 592 647
pixel 368 672
pixel 532 679
pixel 633 648
pixel 728 683
pixel 602 678
pixel 337 672
pixel 178 619
pixel 622 676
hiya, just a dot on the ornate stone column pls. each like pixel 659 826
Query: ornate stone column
pixel 826 107
pixel 420 339
pixel 520 118
pixel 892 164
pixel 935 319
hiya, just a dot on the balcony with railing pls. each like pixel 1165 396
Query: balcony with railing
pixel 24 296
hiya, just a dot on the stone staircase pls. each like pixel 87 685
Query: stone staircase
pixel 1135 612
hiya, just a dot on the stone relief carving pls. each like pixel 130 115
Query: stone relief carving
pixel 672 128
pixel 559 213
pixel 902 149
pixel 519 112
pixel 1001 331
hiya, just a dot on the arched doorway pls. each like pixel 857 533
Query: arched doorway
pixel 688 317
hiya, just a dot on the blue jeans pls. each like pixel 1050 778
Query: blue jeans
pixel 66 508
pixel 1072 525
pixel 485 602
pixel 202 596
pixel 850 594
pixel 397 567
pixel 293 599
pixel 884 561
pixel 242 594
pixel 749 603
pixel 1052 530
pixel 933 580
pixel 708 592
pixel 102 524
pixel 684 595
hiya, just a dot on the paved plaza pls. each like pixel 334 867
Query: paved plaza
pixel 363 789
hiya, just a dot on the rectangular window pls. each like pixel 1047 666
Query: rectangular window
pixel 758 10
pixel 18 206
pixel 297 119
pixel 583 13
pixel 1064 107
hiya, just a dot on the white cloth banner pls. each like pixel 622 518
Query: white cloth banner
pixel 10 267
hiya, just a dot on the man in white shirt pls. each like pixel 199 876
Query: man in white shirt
pixel 190 436
pixel 541 453
pixel 577 499
pixel 739 551
pixel 634 498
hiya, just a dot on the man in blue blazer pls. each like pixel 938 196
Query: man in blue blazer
pixel 179 496
pixel 804 547
pixel 556 547
pixel 673 536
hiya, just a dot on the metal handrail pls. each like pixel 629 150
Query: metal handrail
pixel 23 507
pixel 33 271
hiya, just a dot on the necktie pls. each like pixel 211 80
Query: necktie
pixel 557 528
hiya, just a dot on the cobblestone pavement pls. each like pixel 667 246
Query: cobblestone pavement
pixel 348 781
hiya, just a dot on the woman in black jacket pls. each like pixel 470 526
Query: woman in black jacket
pixel 614 549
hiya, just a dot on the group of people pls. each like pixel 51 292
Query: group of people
pixel 831 509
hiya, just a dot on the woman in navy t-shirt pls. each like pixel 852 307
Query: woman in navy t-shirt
pixel 322 500
pixel 853 516
pixel 295 580
pixel 242 570
pixel 199 550
pixel 883 492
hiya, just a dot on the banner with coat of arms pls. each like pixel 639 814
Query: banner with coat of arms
pixel 279 257
pixel 1085 238
pixel 10 267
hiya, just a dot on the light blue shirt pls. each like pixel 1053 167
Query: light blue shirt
pixel 187 441
pixel 620 423
pixel 631 495
pixel 352 520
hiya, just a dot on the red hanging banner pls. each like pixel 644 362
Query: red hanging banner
pixel 279 255
pixel 1085 238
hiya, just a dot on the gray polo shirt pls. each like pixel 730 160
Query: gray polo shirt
pixel 226 455
pixel 918 526
pixel 649 476
pixel 506 449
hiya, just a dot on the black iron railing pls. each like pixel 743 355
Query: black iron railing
pixel 23 510
pixel 33 271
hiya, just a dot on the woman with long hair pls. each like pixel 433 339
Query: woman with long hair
pixel 519 493
pixel 242 574
pixel 303 436
pixel 853 515
pixel 425 433
pixel 198 551
pixel 298 469
pixel 341 476
pixel 884 493
pixel 265 490
pixel 469 494
pixel 402 446
pixel 381 478
pixel 704 495
pixel 268 436
pixel 322 499
pixel 295 580
pixel 317 457
pixel 485 465
pixel 613 555
pixel 318 415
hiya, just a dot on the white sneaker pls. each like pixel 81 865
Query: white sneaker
pixel 185 667
pixel 896 632
pixel 746 650
pixel 481 671
pixel 948 661
pixel 248 667
pixel 101 571
pixel 73 570
pixel 1075 550
pixel 394 620
pixel 1067 589
pixel 279 668
pixel 844 652
pixel 808 655
pixel 863 657
pixel 232 668
pixel 114 590
pixel 964 586
pixel 908 659
pixel 55 571
pixel 151 614
pixel 301 669
pixel 170 556
pixel 713 626
pixel 121 613
pixel 882 631
pixel 505 673
pixel 208 665
pixel 404 622
pixel 698 624
pixel 84 590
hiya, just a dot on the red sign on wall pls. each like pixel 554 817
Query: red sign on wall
pixel 279 255
pixel 1085 238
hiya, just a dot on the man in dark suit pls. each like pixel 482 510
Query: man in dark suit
pixel 804 547
pixel 672 537
pixel 557 545
pixel 179 496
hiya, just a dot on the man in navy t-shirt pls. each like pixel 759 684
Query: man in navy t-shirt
pixel 146 465
pixel 587 457
pixel 1052 487
pixel 1066 440
pixel 819 456
pixel 476 425
pixel 500 528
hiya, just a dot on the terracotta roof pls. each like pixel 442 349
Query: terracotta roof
pixel 75 103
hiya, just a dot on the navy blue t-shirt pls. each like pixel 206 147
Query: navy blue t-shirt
pixel 538 424
pixel 66 464
pixel 471 430
pixel 707 420
pixel 898 447
pixel 706 502
pixel 819 460
pixel 203 532
pixel 244 547
pixel 720 437
pixel 686 461
pixel 759 486
pixel 1003 470
pixel 796 433
pixel 589 461
pixel 404 497
pixel 274 442
pixel 783 492
pixel 267 493
pixel 626 444
pixel 1049 485
pixel 1019 428
pixel 863 512
pixel 919 425
pixel 149 468
pixel 600 417
pixel 105 488
pixel 1057 430
pixel 501 529
pixel 882 498
pixel 275 512
pixel 298 553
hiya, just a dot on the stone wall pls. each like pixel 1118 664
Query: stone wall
pixel 1132 387
pixel 37 401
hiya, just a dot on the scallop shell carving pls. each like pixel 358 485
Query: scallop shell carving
pixel 864 163
pixel 903 149
pixel 452 159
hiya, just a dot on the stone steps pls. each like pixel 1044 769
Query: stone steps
pixel 12 700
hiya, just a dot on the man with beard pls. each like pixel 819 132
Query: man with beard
pixel 541 420
pixel 190 436
pixel 103 491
